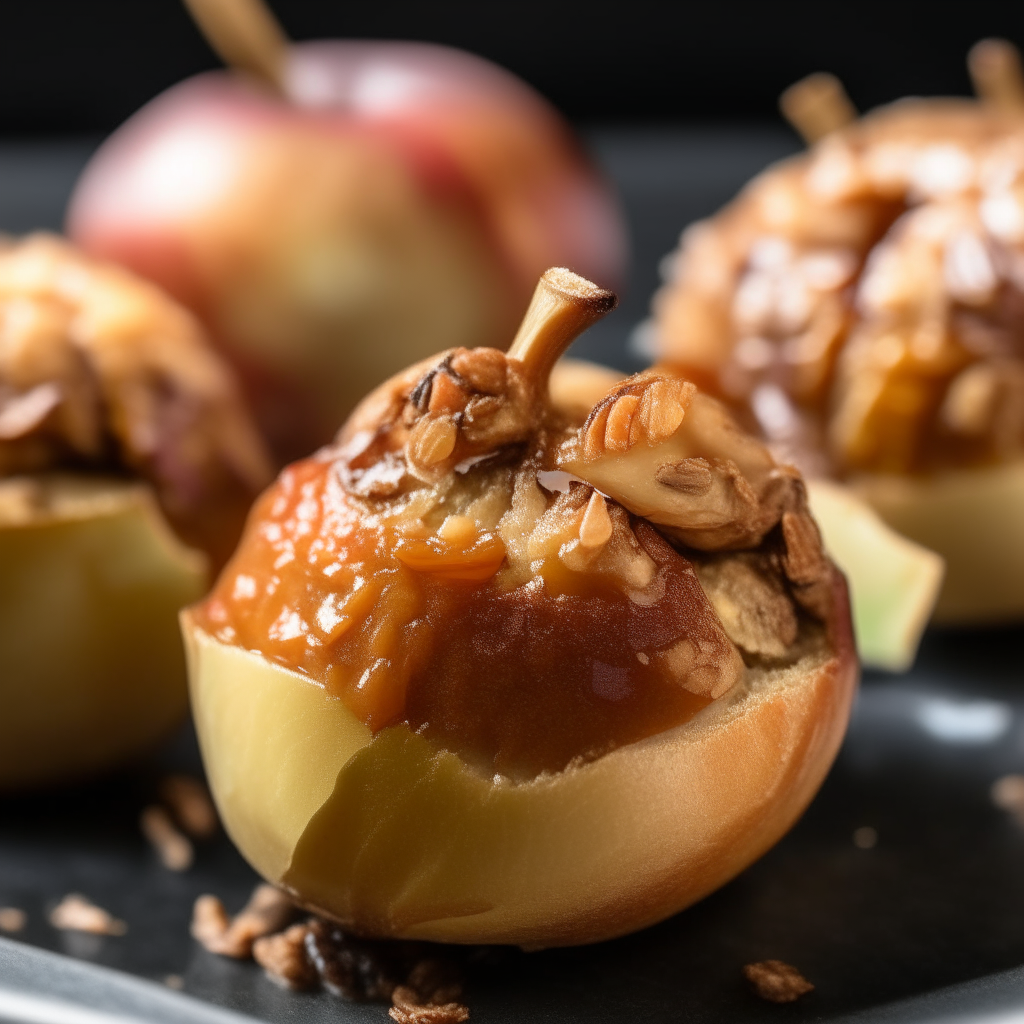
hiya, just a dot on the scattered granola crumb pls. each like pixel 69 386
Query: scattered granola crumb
pixel 407 1008
pixel 190 803
pixel 865 837
pixel 175 981
pixel 267 911
pixel 12 919
pixel 1007 793
pixel 350 967
pixel 173 848
pixel 76 913
pixel 284 958
pixel 210 921
pixel 776 981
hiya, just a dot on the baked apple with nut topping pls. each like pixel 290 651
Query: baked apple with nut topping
pixel 485 670
pixel 127 465
pixel 862 305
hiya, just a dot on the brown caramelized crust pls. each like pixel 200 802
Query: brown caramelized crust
pixel 526 590
pixel 100 371
pixel 861 305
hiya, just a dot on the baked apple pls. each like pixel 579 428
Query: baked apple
pixel 487 671
pixel 127 464
pixel 862 306
pixel 358 206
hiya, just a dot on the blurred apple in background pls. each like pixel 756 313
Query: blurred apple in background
pixel 336 210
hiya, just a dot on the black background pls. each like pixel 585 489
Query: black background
pixel 82 66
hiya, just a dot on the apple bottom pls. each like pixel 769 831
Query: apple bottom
pixel 394 837
pixel 974 518
pixel 91 579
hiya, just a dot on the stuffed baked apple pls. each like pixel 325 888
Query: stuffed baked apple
pixel 127 464
pixel 344 209
pixel 487 671
pixel 863 306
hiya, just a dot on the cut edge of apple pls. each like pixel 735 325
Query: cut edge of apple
pixel 974 519
pixel 91 577
pixel 894 582
pixel 394 837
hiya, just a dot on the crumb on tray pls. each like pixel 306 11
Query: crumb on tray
pixel 12 919
pixel 777 981
pixel 172 847
pixel 76 913
pixel 190 803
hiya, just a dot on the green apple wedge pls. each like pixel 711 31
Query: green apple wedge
pixel 894 582
pixel 91 578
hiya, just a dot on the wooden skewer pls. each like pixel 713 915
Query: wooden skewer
pixel 246 36
pixel 996 72
pixel 816 106
pixel 563 306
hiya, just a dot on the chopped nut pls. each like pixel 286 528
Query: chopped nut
pixel 776 981
pixel 691 476
pixel 284 958
pixel 12 919
pixel 618 423
pixel 210 921
pixel 408 1009
pixel 174 849
pixel 267 911
pixel 76 913
pixel 190 803
pixel 1008 794
pixel 596 527
pixel 752 603
pixel 432 440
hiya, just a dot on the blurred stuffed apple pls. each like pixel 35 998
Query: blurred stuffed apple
pixel 127 464
pixel 347 208
pixel 488 671
pixel 862 305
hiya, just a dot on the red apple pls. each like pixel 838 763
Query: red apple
pixel 397 199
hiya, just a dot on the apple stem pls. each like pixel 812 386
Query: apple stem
pixel 816 106
pixel 246 36
pixel 996 73
pixel 563 306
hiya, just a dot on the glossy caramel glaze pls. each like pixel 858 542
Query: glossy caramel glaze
pixel 516 678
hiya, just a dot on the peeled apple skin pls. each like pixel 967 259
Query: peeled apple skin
pixel 973 518
pixel 395 837
pixel 93 669
pixel 406 192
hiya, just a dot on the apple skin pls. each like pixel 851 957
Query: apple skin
pixel 402 191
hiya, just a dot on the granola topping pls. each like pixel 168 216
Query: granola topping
pixel 863 301
pixel 101 372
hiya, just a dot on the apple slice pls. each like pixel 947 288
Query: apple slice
pixel 91 576
pixel 974 517
pixel 894 583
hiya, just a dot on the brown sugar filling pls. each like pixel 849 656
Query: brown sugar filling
pixel 517 680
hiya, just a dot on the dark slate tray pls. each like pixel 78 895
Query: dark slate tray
pixel 928 924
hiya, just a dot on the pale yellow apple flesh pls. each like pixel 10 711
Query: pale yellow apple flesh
pixel 393 836
pixel 91 578
pixel 894 582
pixel 974 518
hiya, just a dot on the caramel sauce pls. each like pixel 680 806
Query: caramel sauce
pixel 418 629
